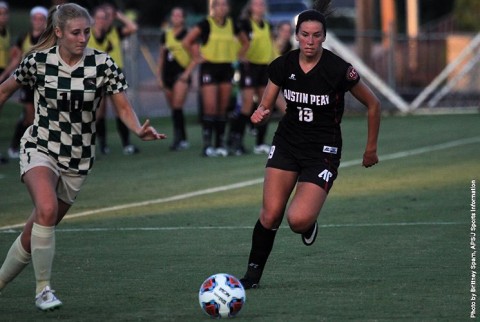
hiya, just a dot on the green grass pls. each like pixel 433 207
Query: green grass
pixel 393 243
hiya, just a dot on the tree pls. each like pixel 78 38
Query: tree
pixel 466 15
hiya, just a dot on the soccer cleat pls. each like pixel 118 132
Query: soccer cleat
pixel 249 283
pixel 221 152
pixel 179 146
pixel 3 160
pixel 130 149
pixel 261 149
pixel 239 151
pixel 104 150
pixel 209 151
pixel 13 153
pixel 309 236
pixel 46 300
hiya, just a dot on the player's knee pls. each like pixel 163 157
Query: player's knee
pixel 299 224
pixel 270 220
pixel 46 214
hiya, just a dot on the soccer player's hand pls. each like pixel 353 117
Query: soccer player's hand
pixel 148 132
pixel 260 115
pixel 370 158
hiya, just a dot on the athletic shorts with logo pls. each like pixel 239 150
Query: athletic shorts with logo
pixel 171 73
pixel 253 75
pixel 321 170
pixel 69 183
pixel 211 73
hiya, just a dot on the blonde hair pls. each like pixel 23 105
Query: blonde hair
pixel 58 16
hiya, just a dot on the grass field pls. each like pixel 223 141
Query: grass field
pixel 394 240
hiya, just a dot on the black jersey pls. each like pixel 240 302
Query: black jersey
pixel 315 101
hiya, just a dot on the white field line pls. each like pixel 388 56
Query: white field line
pixel 243 184
pixel 185 228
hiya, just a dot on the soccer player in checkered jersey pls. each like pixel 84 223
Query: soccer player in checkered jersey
pixel 58 150
pixel 307 145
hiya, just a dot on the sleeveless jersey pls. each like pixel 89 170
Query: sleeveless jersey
pixel 66 98
pixel 4 48
pixel 222 45
pixel 315 101
pixel 115 39
pixel 100 44
pixel 261 46
pixel 175 48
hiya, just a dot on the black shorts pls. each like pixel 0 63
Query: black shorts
pixel 211 73
pixel 253 75
pixel 26 94
pixel 171 73
pixel 322 170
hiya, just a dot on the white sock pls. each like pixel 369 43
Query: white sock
pixel 43 251
pixel 17 259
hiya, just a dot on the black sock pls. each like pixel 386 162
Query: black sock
pixel 262 244
pixel 220 124
pixel 17 134
pixel 123 131
pixel 101 130
pixel 178 119
pixel 207 130
pixel 262 132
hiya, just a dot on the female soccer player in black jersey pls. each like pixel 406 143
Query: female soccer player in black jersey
pixel 307 145
pixel 58 150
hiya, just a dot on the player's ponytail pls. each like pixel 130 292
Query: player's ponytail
pixel 58 17
pixel 320 9
pixel 323 6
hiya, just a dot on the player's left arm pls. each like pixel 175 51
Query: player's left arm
pixel 129 26
pixel 128 116
pixel 365 95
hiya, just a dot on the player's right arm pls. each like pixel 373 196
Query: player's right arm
pixel 264 109
pixel 15 60
pixel 7 88
pixel 189 44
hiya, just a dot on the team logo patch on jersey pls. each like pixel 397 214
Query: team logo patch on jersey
pixel 351 74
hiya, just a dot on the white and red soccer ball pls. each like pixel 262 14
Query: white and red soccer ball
pixel 221 296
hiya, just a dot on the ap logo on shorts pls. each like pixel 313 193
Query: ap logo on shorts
pixel 325 175
pixel 272 149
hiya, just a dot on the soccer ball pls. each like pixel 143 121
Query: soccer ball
pixel 221 296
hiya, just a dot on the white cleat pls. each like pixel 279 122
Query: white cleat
pixel 46 300
pixel 261 149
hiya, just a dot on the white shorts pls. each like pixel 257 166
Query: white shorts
pixel 69 183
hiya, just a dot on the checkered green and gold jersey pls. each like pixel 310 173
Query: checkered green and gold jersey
pixel 66 98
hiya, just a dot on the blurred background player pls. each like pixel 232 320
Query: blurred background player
pixel 174 70
pixel 38 21
pixel 283 38
pixel 256 32
pixel 114 34
pixel 4 47
pixel 4 37
pixel 219 48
